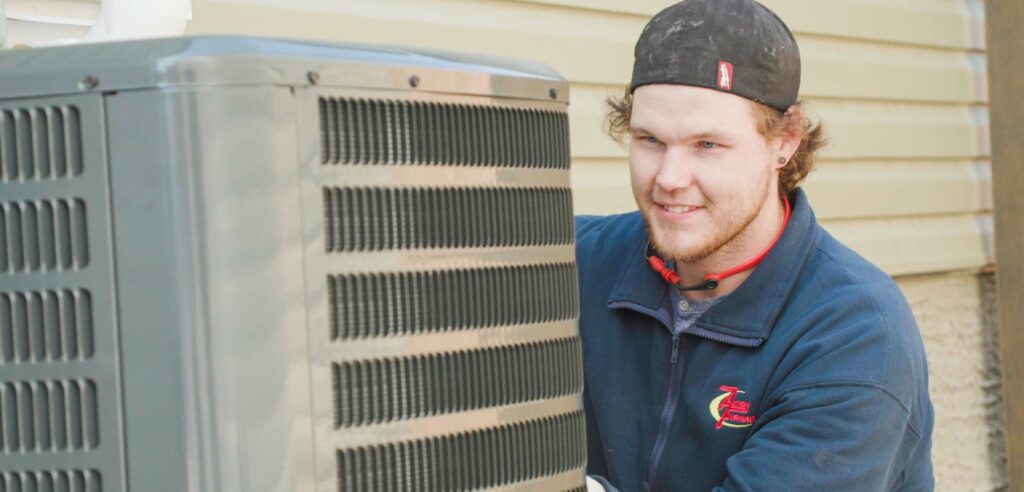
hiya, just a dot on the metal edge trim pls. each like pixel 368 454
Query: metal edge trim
pixel 974 18
pixel 986 229
pixel 982 132
pixel 442 342
pixel 977 66
pixel 62 370
pixel 407 261
pixel 407 176
pixel 33 191
pixel 443 81
pixel 405 93
pixel 45 461
pixel 452 423
pixel 570 480
pixel 981 171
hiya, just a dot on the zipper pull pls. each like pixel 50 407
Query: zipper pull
pixel 675 348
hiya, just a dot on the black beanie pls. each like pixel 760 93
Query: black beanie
pixel 736 46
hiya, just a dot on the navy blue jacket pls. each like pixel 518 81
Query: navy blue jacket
pixel 810 376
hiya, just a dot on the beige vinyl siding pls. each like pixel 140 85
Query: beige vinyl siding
pixel 900 85
pixel 38 22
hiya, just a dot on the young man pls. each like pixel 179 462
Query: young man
pixel 730 343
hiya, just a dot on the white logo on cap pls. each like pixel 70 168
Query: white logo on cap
pixel 725 75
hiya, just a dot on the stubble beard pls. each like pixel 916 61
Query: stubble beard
pixel 729 223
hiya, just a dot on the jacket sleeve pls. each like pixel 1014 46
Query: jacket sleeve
pixel 603 483
pixel 841 436
pixel 587 228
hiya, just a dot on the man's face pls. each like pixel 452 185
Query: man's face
pixel 701 172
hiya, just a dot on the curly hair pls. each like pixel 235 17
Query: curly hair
pixel 771 123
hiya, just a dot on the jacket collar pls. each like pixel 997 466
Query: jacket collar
pixel 747 313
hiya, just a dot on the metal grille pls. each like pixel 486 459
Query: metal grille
pixel 380 391
pixel 46 416
pixel 361 131
pixel 40 143
pixel 487 458
pixel 46 326
pixel 43 235
pixel 509 294
pixel 373 305
pixel 374 219
pixel 58 342
pixel 51 481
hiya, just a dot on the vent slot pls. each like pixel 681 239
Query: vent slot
pixel 481 459
pixel 43 235
pixel 51 480
pixel 380 391
pixel 46 416
pixel 40 143
pixel 46 326
pixel 375 305
pixel 375 219
pixel 370 131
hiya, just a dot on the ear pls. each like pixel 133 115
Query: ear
pixel 787 143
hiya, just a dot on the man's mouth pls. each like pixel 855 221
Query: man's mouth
pixel 679 209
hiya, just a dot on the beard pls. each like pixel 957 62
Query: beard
pixel 724 235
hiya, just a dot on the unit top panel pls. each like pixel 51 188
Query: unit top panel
pixel 235 60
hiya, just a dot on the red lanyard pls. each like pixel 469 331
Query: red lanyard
pixel 711 280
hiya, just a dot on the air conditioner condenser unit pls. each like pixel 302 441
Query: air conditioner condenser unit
pixel 237 264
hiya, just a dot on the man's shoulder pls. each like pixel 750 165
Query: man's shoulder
pixel 839 273
pixel 852 316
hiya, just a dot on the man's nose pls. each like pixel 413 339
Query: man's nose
pixel 676 170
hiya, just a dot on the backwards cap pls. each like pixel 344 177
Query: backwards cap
pixel 735 46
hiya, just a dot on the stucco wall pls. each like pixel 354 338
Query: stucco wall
pixel 956 315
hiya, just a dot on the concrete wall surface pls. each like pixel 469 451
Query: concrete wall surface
pixel 956 314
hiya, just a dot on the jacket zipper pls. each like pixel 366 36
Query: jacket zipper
pixel 668 412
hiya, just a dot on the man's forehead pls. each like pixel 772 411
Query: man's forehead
pixel 689 94
pixel 694 108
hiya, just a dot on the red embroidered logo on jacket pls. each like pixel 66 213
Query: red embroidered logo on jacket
pixel 725 75
pixel 728 411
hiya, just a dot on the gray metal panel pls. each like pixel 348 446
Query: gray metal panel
pixel 157 310
pixel 60 411
pixel 208 220
pixel 230 60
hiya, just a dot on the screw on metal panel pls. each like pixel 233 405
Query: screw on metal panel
pixel 553 93
pixel 88 83
pixel 313 76
pixel 414 81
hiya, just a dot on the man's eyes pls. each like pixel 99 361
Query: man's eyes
pixel 703 144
